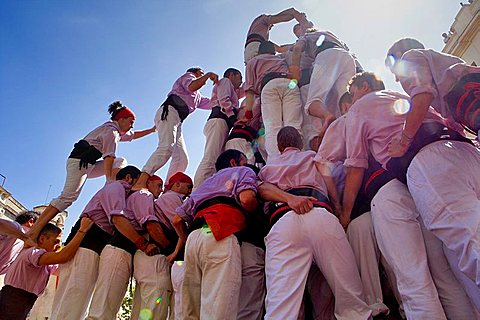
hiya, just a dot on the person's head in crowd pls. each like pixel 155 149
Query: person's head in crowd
pixel 197 71
pixel 300 29
pixel 289 137
pixel 345 102
pixel 396 51
pixel 230 158
pixel 364 83
pixel 266 47
pixel 122 114
pixel 27 218
pixel 180 183
pixel 50 238
pixel 129 174
pixel 155 185
pixel 235 77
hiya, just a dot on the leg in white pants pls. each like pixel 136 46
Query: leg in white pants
pixel 153 289
pixel 323 301
pixel 361 237
pixel 213 275
pixel 454 300
pixel 292 244
pixel 170 142
pixel 400 240
pixel 252 291
pixel 241 145
pixel 113 275
pixel 444 179
pixel 216 133
pixel 76 281
pixel 251 51
pixel 281 106
pixel 178 271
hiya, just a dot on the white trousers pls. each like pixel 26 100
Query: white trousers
pixel 444 180
pixel 323 301
pixel 332 70
pixel 216 133
pixel 252 291
pixel 213 275
pixel 178 271
pixel 76 281
pixel 170 144
pixel 114 273
pixel 455 301
pixel 76 178
pixel 251 51
pixel 361 237
pixel 153 289
pixel 281 106
pixel 293 243
pixel 399 238
pixel 242 145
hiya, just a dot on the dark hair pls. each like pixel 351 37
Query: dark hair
pixel 133 171
pixel 194 69
pixel 254 168
pixel 229 71
pixel 373 81
pixel 24 217
pixel 50 230
pixel 289 137
pixel 115 107
pixel 345 98
pixel 266 47
pixel 223 161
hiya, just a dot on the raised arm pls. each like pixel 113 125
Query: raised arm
pixel 285 16
pixel 198 83
pixel 68 252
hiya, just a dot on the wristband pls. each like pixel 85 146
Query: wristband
pixel 141 243
pixel 249 114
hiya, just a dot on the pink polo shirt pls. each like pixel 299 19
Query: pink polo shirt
pixel 293 168
pixel 140 209
pixel 333 147
pixel 25 272
pixel 261 26
pixel 429 71
pixel 259 66
pixel 10 247
pixel 224 96
pixel 311 43
pixel 107 202
pixel 192 99
pixel 166 206
pixel 105 138
pixel 371 124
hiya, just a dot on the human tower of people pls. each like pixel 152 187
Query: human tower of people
pixel 345 177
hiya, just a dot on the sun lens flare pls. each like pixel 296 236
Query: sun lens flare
pixel 292 84
pixel 401 106
pixel 146 314
pixel 320 40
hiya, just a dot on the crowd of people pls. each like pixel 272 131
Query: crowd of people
pixel 314 194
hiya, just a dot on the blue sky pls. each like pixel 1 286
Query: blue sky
pixel 63 62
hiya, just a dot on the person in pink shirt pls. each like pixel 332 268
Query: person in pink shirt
pixel 182 100
pixel 13 236
pixel 260 28
pixel 304 230
pixel 84 163
pixel 267 75
pixel 28 276
pixel 437 154
pixel 224 104
pixel 435 79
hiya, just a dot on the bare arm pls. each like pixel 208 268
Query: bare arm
pixel 126 229
pixel 296 56
pixel 10 228
pixel 332 190
pixel 181 230
pixel 68 252
pixel 299 204
pixel 249 102
pixel 353 182
pixel 198 83
pixel 155 231
pixel 420 104
pixel 108 168
pixel 285 16
pixel 248 200
pixel 142 133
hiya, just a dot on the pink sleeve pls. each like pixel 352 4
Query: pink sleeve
pixel 418 77
pixel 34 255
pixel 143 208
pixel 127 136
pixel 356 140
pixel 109 143
pixel 333 147
pixel 204 103
pixel 186 79
pixel 113 200
pixel 250 77
pixel 225 91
